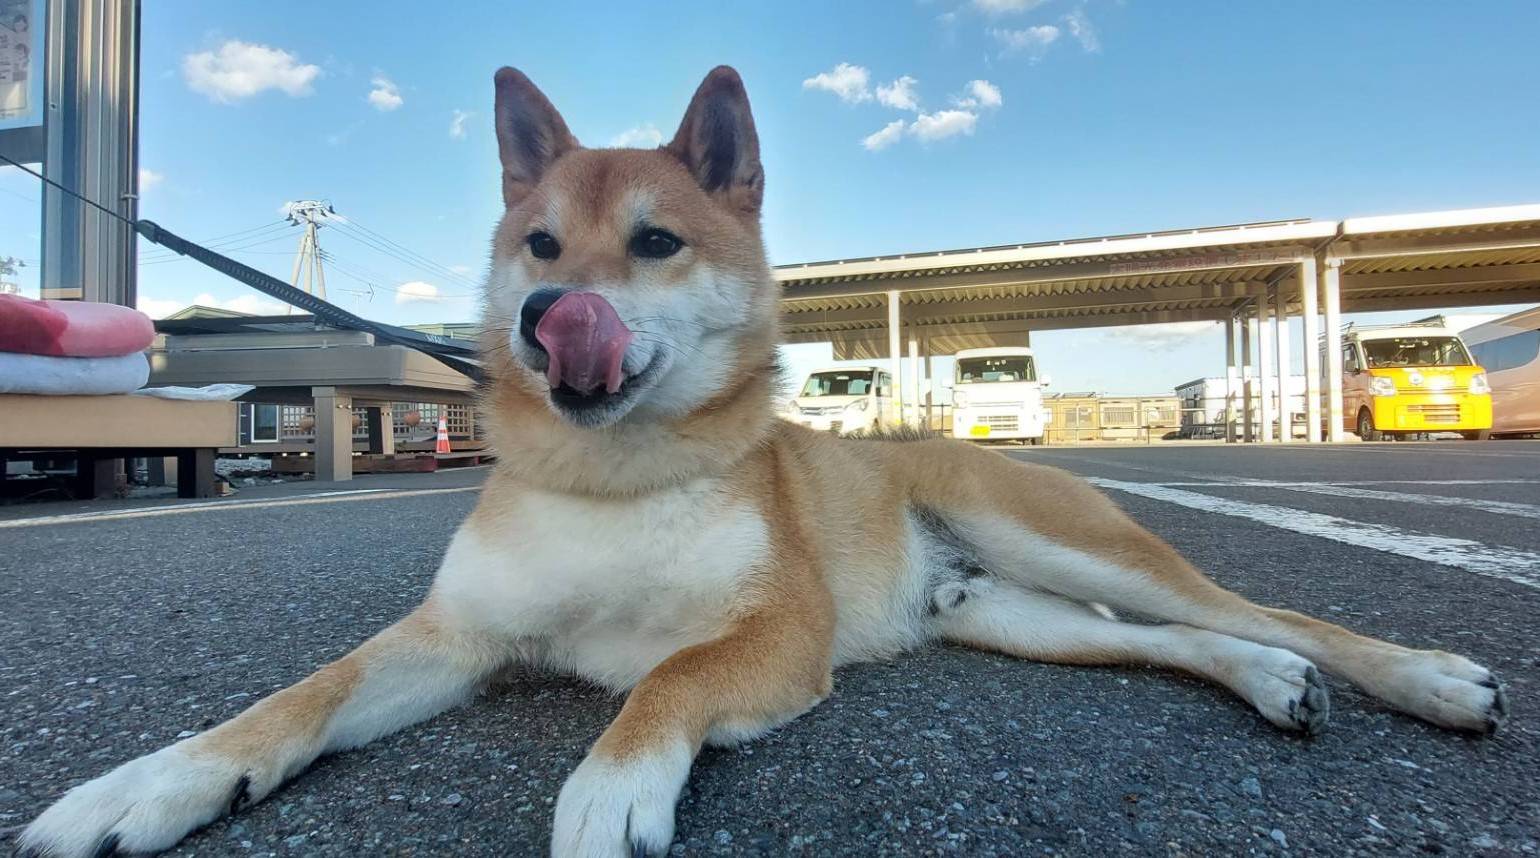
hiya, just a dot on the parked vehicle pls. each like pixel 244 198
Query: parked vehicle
pixel 997 396
pixel 845 400
pixel 1399 380
pixel 1509 350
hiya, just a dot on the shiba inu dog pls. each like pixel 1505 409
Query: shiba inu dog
pixel 652 527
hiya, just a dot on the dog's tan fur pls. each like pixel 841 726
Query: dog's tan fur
pixel 715 562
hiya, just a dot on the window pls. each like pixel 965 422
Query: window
pixel 1349 359
pixel 1115 415
pixel 264 422
pixel 853 383
pixel 884 385
pixel 1510 352
pixel 987 369
pixel 1414 351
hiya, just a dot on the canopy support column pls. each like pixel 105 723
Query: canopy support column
pixel 895 361
pixel 1230 380
pixel 1331 299
pixel 1285 370
pixel 1248 382
pixel 1310 314
pixel 1265 365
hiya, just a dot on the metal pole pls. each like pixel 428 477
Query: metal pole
pixel 1229 380
pixel 1310 314
pixel 895 363
pixel 1265 365
pixel 1285 369
pixel 1331 298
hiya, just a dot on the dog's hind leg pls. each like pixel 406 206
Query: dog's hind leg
pixel 1037 626
pixel 412 670
pixel 1050 531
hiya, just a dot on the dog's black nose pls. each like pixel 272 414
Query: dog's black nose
pixel 533 311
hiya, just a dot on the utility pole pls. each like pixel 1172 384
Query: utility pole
pixel 311 214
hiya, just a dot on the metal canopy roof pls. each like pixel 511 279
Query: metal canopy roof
pixel 990 295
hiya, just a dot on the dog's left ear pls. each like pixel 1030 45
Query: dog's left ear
pixel 717 142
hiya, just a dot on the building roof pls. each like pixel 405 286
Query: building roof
pixel 994 295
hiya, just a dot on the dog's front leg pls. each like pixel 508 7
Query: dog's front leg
pixel 414 669
pixel 769 668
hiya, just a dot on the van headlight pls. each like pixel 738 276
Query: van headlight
pixel 793 408
pixel 858 405
pixel 1479 384
pixel 1381 386
pixel 959 399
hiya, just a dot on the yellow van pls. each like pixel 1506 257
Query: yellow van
pixel 1403 379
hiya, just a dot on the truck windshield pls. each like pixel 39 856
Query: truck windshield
pixel 978 370
pixel 838 384
pixel 1415 351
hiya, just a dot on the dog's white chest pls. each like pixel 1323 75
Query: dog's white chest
pixel 605 588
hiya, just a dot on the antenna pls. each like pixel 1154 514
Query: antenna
pixel 312 215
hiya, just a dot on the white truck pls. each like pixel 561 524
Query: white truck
pixel 845 400
pixel 997 396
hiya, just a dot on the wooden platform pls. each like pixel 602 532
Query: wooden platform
pixel 99 431
pixel 377 463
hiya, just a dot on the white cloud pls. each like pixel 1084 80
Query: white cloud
pixel 461 269
pixel 644 136
pixel 979 93
pixel 849 82
pixel 886 137
pixel 1033 41
pixel 1005 7
pixel 416 290
pixel 457 120
pixel 385 96
pixel 149 179
pixel 1080 27
pixel 240 70
pixel 1160 338
pixel 942 124
pixel 899 94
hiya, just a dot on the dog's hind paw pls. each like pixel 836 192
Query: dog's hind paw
pixel 621 808
pixel 1290 692
pixel 1450 691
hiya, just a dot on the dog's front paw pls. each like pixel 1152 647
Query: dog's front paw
pixel 621 807
pixel 145 805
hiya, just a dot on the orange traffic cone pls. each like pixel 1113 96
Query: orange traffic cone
pixel 443 436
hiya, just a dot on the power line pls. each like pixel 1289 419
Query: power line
pixel 362 234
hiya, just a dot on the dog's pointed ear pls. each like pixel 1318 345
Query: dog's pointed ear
pixel 530 133
pixel 717 142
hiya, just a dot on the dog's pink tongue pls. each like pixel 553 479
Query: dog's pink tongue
pixel 586 342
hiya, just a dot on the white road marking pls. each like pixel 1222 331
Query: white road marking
pixel 1351 490
pixel 228 506
pixel 1508 564
pixel 1220 481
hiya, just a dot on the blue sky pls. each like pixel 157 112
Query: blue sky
pixel 1098 117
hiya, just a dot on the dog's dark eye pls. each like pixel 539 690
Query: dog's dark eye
pixel 655 244
pixel 543 246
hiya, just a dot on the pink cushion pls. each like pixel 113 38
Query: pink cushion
pixel 72 328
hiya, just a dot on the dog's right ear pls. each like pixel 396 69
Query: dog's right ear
pixel 530 133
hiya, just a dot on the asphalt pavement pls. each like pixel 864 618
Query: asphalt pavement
pixel 124 628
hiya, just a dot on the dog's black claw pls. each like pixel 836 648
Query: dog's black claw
pixel 1490 682
pixel 107 848
pixel 241 796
